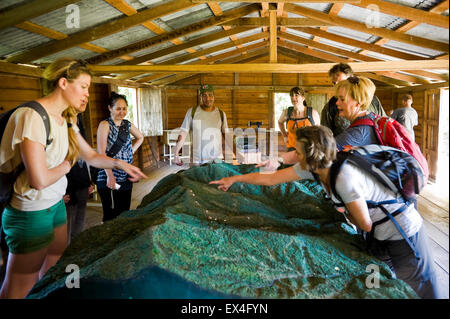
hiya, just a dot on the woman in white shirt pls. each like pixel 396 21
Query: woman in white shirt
pixel 35 219
pixel 316 151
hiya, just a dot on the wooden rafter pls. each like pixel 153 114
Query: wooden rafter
pixel 273 35
pixel 244 58
pixel 125 8
pixel 207 51
pixel 281 21
pixel 349 54
pixel 381 32
pixel 405 12
pixel 56 35
pixel 232 14
pixel 186 45
pixel 30 10
pixel 100 31
pixel 438 9
pixel 276 68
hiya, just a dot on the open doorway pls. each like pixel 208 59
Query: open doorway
pixel 442 176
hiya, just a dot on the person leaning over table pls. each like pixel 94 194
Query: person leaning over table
pixel 353 97
pixel 35 221
pixel 316 151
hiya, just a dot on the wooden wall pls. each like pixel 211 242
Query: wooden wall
pixel 16 89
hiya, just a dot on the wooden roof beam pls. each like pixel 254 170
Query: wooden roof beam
pixel 349 54
pixel 276 67
pixel 30 10
pixel 205 52
pixel 242 59
pixel 361 27
pixel 336 59
pixel 273 34
pixel 281 21
pixel 141 45
pixel 53 34
pixel 187 45
pixel 405 12
pixel 100 31
pixel 441 7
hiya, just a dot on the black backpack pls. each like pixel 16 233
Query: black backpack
pixel 7 179
pixel 309 115
pixel 393 168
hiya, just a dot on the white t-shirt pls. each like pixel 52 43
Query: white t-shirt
pixel 206 134
pixel 27 123
pixel 365 186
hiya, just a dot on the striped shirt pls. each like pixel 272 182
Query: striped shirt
pixel 125 153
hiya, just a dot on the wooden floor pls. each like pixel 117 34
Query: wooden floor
pixel 434 210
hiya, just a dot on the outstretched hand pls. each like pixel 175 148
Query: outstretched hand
pixel 135 173
pixel 224 183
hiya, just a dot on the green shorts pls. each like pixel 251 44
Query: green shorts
pixel 30 231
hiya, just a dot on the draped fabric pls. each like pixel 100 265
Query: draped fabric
pixel 150 119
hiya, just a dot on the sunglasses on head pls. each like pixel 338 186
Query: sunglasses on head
pixel 353 80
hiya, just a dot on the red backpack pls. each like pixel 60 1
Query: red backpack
pixel 392 133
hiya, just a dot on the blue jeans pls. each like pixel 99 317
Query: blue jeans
pixel 418 273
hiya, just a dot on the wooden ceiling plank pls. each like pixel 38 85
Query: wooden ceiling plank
pixel 30 10
pixel 213 59
pixel 243 59
pixel 141 45
pixel 439 8
pixel 53 34
pixel 405 12
pixel 361 27
pixel 187 45
pixel 100 31
pixel 357 56
pixel 273 36
pixel 125 8
pixel 359 44
pixel 203 52
pixel 281 21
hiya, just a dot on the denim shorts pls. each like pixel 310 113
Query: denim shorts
pixel 29 231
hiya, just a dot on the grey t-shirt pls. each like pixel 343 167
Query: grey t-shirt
pixel 207 132
pixel 365 186
pixel 407 116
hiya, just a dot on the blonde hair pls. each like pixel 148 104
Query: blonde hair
pixel 319 146
pixel 70 69
pixel 360 89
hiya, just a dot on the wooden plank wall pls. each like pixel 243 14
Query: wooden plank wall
pixel 16 89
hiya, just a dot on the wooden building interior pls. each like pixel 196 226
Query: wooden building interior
pixel 248 51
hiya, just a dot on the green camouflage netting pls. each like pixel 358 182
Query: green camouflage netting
pixel 283 241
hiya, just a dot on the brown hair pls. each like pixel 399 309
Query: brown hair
pixel 70 69
pixel 341 67
pixel 319 146
pixel 407 97
pixel 361 89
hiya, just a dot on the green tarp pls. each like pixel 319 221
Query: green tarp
pixel 188 239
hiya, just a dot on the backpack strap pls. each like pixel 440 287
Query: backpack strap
pixel 334 171
pixel 309 112
pixel 43 113
pixel 122 137
pixel 289 112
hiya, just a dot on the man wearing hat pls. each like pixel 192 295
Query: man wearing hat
pixel 206 124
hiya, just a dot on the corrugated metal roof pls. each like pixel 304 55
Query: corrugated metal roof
pixel 92 13
pixel 14 40
pixel 97 12
pixel 123 38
